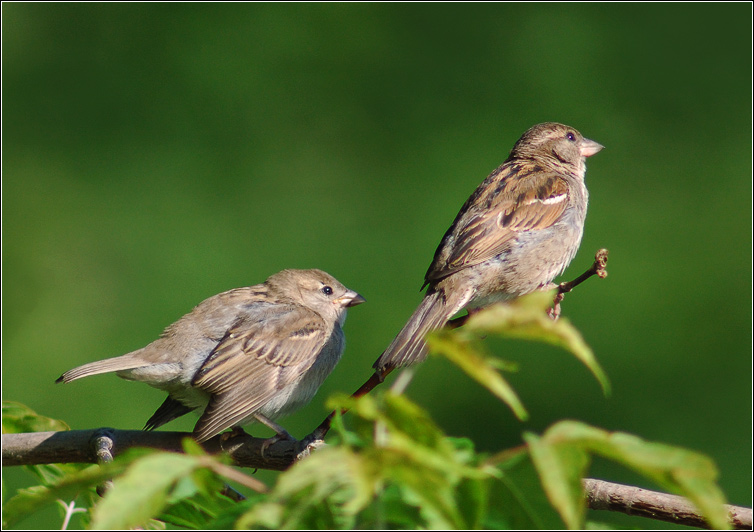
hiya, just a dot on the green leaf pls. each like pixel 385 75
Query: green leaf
pixel 517 500
pixel 523 318
pixel 19 418
pixel 390 511
pixel 200 509
pixel 560 457
pixel 473 499
pixel 478 364
pixel 325 490
pixel 526 318
pixel 561 468
pixel 142 491
pixel 675 469
pixel 229 516
pixel 30 500
pixel 410 458
pixel 329 470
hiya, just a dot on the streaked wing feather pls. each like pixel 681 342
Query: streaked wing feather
pixel 231 408
pixel 242 372
pixel 281 339
pixel 500 212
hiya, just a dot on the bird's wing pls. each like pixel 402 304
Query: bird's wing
pixel 497 212
pixel 256 358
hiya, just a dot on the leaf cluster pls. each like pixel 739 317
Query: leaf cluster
pixel 393 468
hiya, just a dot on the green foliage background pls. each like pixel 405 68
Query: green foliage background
pixel 155 154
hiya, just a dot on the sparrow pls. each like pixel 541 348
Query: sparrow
pixel 519 230
pixel 248 354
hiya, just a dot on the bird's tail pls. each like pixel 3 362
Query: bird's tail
pixel 409 347
pixel 120 363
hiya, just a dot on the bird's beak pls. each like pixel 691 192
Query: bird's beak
pixel 351 299
pixel 589 147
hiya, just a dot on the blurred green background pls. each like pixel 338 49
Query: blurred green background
pixel 157 154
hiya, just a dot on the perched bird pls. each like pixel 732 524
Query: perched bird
pixel 519 230
pixel 248 354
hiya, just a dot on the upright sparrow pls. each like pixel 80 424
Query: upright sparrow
pixel 519 230
pixel 248 354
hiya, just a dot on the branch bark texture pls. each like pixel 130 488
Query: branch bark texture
pixel 83 446
pixel 630 500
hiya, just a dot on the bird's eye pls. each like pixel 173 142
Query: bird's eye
pixel 570 136
pixel 326 290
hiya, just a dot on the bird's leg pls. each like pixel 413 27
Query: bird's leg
pixel 282 434
pixel 460 321
pixel 554 311
pixel 234 431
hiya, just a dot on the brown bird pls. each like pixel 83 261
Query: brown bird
pixel 248 354
pixel 518 231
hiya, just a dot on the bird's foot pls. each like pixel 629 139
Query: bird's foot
pixel 280 436
pixel 554 311
pixel 232 433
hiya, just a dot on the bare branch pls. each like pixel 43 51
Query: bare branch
pixel 85 446
pixel 598 268
pixel 631 500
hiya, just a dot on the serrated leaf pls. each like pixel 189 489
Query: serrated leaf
pixel 199 510
pixel 226 520
pixel 561 468
pixel 557 456
pixel 425 488
pixel 18 418
pixel 477 364
pixel 327 470
pixel 398 413
pixel 526 318
pixel 30 500
pixel 473 499
pixel 406 417
pixel 304 493
pixel 142 491
pixel 517 501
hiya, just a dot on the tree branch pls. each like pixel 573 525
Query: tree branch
pixel 85 446
pixel 630 500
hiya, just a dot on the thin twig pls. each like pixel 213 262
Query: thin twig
pixel 598 268
pixel 321 431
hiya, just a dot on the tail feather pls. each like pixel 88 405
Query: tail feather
pixel 409 347
pixel 109 365
pixel 169 410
